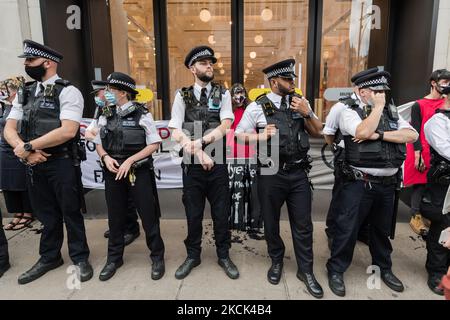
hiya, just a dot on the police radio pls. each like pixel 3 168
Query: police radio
pixel 21 96
pixel 295 115
pixel 214 101
pixel 393 111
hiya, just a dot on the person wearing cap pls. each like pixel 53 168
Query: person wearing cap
pixel 132 225
pixel 126 140
pixel 333 137
pixel 437 133
pixel 12 171
pixel 50 111
pixel 287 116
pixel 417 163
pixel 375 137
pixel 201 115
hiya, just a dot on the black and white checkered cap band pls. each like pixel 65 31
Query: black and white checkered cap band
pixel 375 82
pixel 40 53
pixel 279 71
pixel 129 85
pixel 205 52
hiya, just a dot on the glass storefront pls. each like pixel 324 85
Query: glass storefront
pixel 274 31
pixel 271 31
pixel 194 23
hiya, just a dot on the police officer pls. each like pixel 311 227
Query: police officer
pixel 375 137
pixel 291 114
pixel 437 133
pixel 50 110
pixel 132 225
pixel 125 144
pixel 333 137
pixel 201 114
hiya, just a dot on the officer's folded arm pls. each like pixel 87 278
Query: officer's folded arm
pixel 219 132
pixel 368 126
pixel 401 136
pixel 58 136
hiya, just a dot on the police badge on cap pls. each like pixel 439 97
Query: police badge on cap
pixel 373 80
pixel 199 53
pixel 33 49
pixel 284 69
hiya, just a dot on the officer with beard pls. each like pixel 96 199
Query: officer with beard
pixel 437 133
pixel 284 111
pixel 201 114
pixel 50 111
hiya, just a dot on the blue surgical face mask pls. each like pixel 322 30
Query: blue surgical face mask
pixel 99 102
pixel 110 97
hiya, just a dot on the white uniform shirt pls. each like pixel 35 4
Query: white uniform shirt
pixel 146 122
pixel 437 133
pixel 70 100
pixel 348 124
pixel 254 117
pixel 179 108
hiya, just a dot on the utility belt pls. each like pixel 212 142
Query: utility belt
pixel 351 174
pixel 304 164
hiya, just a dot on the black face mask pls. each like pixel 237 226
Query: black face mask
pixel 445 89
pixel 36 73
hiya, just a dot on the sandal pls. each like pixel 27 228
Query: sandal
pixel 13 223
pixel 25 224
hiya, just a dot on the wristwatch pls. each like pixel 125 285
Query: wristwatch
pixel 381 135
pixel 28 147
pixel 309 115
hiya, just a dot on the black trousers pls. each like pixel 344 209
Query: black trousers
pixel 199 185
pixel 4 256
pixel 117 196
pixel 363 232
pixel 132 224
pixel 55 200
pixel 17 201
pixel 292 187
pixel 361 201
pixel 438 257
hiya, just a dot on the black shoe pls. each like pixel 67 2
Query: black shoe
pixel 392 281
pixel 186 267
pixel 433 282
pixel 275 272
pixel 4 268
pixel 158 269
pixel 38 270
pixel 109 270
pixel 86 271
pixel 128 238
pixel 336 283
pixel 229 267
pixel 312 285
pixel 106 234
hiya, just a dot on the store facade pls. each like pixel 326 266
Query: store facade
pixel 330 40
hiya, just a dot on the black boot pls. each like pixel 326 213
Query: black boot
pixel 186 267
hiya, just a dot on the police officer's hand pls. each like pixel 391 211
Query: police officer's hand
pixel 301 105
pixel 124 169
pixel 191 147
pixel 20 152
pixel 111 164
pixel 37 157
pixel 206 162
pixel 269 131
pixel 419 163
pixel 90 134
pixel 377 99
pixel 447 244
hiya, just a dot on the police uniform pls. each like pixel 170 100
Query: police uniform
pixel 195 111
pixel 332 129
pixel 290 184
pixel 371 175
pixel 124 131
pixel 437 133
pixel 55 185
pixel 132 225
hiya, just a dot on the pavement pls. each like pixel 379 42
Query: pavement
pixel 208 281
